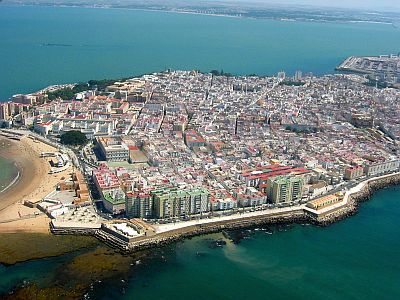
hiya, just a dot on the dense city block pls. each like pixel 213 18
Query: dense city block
pixel 180 145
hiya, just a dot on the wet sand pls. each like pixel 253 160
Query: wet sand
pixel 33 184
pixel 20 247
pixel 90 263
pixel 39 224
pixel 32 170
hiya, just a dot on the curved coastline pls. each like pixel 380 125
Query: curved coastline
pixel 351 208
pixel 30 171
pixel 15 179
pixel 361 193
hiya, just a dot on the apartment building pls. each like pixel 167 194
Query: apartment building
pixel 285 189
pixel 113 148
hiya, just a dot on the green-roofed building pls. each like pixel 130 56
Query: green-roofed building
pixel 114 201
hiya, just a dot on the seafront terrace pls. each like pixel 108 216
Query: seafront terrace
pixel 345 201
pixel 65 224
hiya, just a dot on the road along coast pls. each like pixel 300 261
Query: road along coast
pixel 360 193
pixel 160 235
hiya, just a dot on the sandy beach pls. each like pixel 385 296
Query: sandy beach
pixel 33 184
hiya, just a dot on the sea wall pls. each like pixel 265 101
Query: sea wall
pixel 162 239
pixel 292 217
pixel 356 198
pixel 296 216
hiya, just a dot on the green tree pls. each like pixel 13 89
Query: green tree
pixel 73 138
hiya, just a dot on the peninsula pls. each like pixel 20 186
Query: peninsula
pixel 144 161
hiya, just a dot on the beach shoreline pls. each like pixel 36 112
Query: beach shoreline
pixel 30 170
pixel 33 184
pixel 14 180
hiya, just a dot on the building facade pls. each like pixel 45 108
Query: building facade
pixel 113 149
pixel 353 172
pixel 382 167
pixel 176 203
pixel 139 205
pixel 285 189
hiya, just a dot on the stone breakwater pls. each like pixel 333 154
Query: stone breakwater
pixel 355 199
pixel 296 216
pixel 180 234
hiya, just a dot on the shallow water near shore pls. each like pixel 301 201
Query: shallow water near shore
pixel 357 258
pixel 8 173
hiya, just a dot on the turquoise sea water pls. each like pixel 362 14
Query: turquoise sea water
pixel 357 258
pixel 8 171
pixel 47 45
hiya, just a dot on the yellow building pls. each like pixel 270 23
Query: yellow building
pixel 323 202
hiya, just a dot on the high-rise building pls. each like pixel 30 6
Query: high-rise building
pixel 298 76
pixel 284 189
pixel 281 75
pixel 4 112
pixel 164 203
pixel 175 203
pixel 139 205
pixel 199 200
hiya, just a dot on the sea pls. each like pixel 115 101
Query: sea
pixel 8 173
pixel 358 258
pixel 41 46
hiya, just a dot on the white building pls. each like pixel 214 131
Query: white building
pixel 382 167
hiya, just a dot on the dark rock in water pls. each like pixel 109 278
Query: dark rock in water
pixel 217 244
pixel 221 243
pixel 237 235
pixel 267 230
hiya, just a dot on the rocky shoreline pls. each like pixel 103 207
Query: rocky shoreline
pixel 356 198
pixel 296 216
pixel 181 234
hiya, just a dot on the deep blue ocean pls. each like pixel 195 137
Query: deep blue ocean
pixel 47 45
